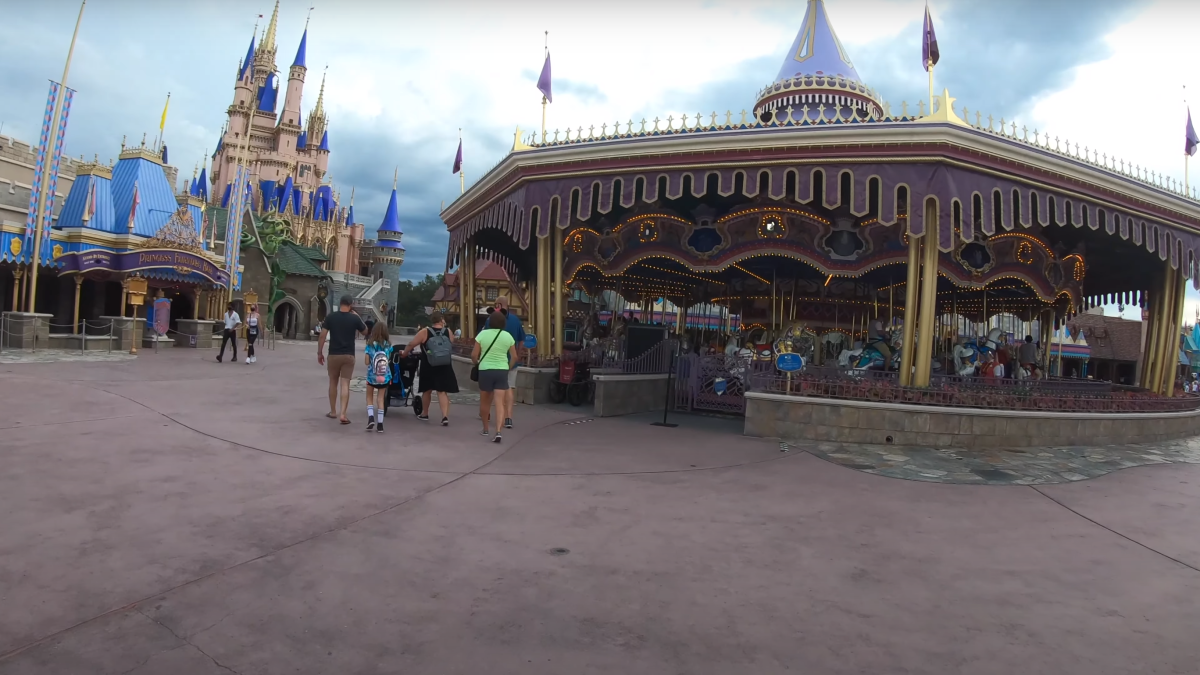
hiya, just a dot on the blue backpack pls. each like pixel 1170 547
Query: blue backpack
pixel 379 372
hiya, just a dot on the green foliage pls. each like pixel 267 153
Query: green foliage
pixel 412 299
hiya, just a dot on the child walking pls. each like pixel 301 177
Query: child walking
pixel 379 374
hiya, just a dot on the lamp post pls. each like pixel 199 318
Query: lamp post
pixel 136 289
pixel 41 203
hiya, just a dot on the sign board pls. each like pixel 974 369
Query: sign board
pixel 162 315
pixel 178 262
pixel 191 340
pixel 530 341
pixel 789 362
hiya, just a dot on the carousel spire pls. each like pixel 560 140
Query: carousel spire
pixel 816 49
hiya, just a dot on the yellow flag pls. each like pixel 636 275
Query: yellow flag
pixel 163 123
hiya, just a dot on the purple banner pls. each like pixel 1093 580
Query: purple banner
pixel 60 136
pixel 179 262
pixel 162 315
pixel 39 167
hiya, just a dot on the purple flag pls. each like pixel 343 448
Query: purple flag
pixel 457 159
pixel 929 47
pixel 544 80
pixel 1191 140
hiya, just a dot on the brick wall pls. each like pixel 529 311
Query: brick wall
pixel 17 160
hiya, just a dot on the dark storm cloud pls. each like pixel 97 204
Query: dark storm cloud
pixel 999 58
pixel 996 57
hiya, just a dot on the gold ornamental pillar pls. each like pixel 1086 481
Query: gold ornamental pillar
pixel 136 288
pixel 559 290
pixel 926 329
pixel 196 295
pixel 1177 321
pixel 1155 306
pixel 78 285
pixel 911 304
pixel 1169 334
pixel 467 305
pixel 1158 328
pixel 544 295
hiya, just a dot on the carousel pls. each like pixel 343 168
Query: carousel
pixel 895 244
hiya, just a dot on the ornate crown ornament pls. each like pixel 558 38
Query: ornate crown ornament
pixel 178 233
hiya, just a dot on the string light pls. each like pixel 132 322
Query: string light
pixel 739 267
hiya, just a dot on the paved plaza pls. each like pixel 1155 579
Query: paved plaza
pixel 169 514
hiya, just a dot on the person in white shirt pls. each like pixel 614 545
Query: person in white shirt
pixel 251 333
pixel 232 321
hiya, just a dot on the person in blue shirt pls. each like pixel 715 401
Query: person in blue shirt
pixel 512 326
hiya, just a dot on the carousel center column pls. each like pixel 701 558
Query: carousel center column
pixel 925 324
pixel 467 266
pixel 1161 302
pixel 543 296
pixel 559 289
pixel 911 288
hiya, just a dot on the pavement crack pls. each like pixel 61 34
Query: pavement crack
pixel 1119 534
pixel 187 642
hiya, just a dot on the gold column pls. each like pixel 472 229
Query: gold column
pixel 1158 317
pixel 911 303
pixel 1169 334
pixel 1148 340
pixel 462 294
pixel 467 269
pixel 543 296
pixel 926 328
pixel 124 295
pixel 78 285
pixel 196 303
pixel 18 273
pixel 559 289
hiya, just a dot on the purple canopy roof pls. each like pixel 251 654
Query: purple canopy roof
pixel 816 49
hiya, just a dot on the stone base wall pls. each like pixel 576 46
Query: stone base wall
pixel 201 330
pixel 462 371
pixel 814 419
pixel 533 385
pixel 24 330
pixel 125 329
pixel 628 394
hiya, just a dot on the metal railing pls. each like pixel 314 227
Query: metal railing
pixel 1023 396
pixel 79 332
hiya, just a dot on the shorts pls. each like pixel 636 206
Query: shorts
pixel 493 380
pixel 340 366
pixel 379 386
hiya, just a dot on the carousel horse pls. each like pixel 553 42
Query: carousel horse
pixel 967 354
pixel 868 357
pixel 797 339
pixel 833 344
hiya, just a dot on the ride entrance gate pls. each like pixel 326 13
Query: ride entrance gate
pixel 715 383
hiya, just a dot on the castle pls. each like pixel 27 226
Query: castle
pixel 288 159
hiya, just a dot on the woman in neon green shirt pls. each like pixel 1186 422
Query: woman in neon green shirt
pixel 494 352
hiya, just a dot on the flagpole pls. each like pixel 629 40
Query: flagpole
pixel 546 51
pixel 931 89
pixel 462 181
pixel 162 124
pixel 41 203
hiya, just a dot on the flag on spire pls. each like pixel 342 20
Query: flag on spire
pixel 929 45
pixel 137 199
pixel 1191 140
pixel 163 122
pixel 543 83
pixel 458 159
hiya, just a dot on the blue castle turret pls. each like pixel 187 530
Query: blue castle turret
pixel 387 251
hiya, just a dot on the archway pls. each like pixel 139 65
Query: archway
pixel 287 317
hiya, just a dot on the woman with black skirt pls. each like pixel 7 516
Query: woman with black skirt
pixel 433 378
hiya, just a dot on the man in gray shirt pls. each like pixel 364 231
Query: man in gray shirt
pixel 1027 355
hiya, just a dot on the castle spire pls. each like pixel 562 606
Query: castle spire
pixel 268 42
pixel 300 53
pixel 319 110
pixel 817 49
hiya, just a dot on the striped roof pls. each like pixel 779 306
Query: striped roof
pixel 157 199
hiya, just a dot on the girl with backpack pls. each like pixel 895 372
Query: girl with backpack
pixel 379 375
pixel 437 370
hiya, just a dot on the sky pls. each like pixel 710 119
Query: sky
pixel 404 77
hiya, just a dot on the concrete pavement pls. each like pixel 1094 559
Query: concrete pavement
pixel 175 515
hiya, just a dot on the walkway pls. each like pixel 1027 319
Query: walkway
pixel 175 515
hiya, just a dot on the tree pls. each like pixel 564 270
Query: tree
pixel 412 299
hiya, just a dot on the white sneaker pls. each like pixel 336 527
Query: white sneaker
pixel 253 359
pixel 247 359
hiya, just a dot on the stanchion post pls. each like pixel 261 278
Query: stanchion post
pixel 667 402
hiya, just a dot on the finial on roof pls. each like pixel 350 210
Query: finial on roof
pixel 143 140
pixel 352 194
pixel 396 178
pixel 816 49
pixel 268 42
pixel 123 137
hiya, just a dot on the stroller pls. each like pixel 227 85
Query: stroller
pixel 400 391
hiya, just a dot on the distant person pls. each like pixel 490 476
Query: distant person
pixel 1027 355
pixel 377 356
pixel 232 321
pixel 340 328
pixel 494 353
pixel 252 321
pixel 437 366
pixel 512 326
